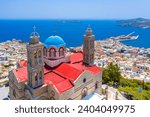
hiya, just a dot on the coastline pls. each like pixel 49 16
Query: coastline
pixel 71 32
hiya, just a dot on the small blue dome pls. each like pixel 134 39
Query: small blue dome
pixel 55 41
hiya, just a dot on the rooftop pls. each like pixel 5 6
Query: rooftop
pixel 63 76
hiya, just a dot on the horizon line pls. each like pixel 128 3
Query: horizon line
pixel 70 18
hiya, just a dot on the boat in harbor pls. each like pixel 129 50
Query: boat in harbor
pixel 125 37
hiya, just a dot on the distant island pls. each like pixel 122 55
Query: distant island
pixel 137 22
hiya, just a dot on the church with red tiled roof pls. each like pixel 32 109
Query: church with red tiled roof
pixel 49 73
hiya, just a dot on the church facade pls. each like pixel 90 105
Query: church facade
pixel 50 73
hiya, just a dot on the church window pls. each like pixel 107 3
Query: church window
pixel 36 78
pixel 91 58
pixel 35 58
pixel 84 80
pixel 61 51
pixel 84 92
pixel 52 52
pixel 96 85
pixel 40 76
pixel 45 51
pixel 39 55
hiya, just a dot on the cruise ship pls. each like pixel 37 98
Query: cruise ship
pixel 125 37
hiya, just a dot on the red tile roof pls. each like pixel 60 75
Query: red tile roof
pixel 94 69
pixel 68 71
pixel 63 86
pixel 21 74
pixel 61 76
pixel 52 78
pixel 76 57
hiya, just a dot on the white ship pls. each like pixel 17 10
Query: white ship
pixel 125 37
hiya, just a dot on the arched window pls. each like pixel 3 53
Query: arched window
pixel 52 52
pixel 40 77
pixel 61 51
pixel 36 78
pixel 96 85
pixel 39 55
pixel 44 51
pixel 91 57
pixel 84 80
pixel 84 92
pixel 35 58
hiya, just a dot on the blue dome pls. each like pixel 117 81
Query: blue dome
pixel 55 41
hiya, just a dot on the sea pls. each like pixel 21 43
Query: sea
pixel 71 31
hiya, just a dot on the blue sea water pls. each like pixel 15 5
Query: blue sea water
pixel 71 31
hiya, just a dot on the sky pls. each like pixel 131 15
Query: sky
pixel 74 9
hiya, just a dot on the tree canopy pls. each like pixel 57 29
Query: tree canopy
pixel 112 74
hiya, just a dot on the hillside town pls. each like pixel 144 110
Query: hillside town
pixel 10 53
pixel 134 62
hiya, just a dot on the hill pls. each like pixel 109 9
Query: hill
pixel 137 22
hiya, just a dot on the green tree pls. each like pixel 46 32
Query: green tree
pixel 106 78
pixel 112 74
